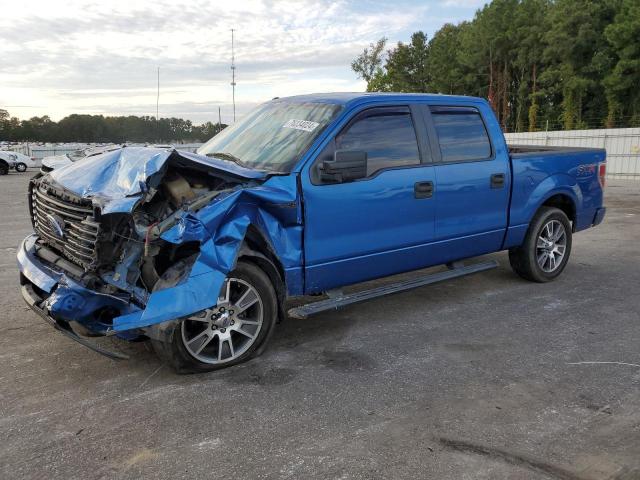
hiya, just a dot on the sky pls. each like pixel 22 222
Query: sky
pixel 59 57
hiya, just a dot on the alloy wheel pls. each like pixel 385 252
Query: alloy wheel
pixel 551 246
pixel 226 331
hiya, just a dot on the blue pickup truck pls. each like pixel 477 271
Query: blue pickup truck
pixel 199 252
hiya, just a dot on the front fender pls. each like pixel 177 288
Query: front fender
pixel 221 228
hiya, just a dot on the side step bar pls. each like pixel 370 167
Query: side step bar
pixel 340 300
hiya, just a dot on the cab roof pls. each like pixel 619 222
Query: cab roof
pixel 352 98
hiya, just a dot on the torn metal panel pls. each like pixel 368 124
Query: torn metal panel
pixel 44 277
pixel 171 225
pixel 72 302
pixel 221 228
pixel 118 174
pixel 112 175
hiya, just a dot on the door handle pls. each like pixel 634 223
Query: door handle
pixel 497 180
pixel 423 189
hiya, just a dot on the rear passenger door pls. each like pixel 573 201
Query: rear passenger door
pixel 472 182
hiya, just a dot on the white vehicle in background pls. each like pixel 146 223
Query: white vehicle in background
pixel 56 161
pixel 25 161
pixel 160 145
pixel 7 162
pixel 18 161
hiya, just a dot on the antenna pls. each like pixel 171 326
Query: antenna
pixel 233 76
pixel 158 108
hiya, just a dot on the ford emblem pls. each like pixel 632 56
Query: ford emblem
pixel 56 224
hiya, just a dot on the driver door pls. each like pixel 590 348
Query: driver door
pixel 378 225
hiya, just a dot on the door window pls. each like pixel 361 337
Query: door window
pixel 386 134
pixel 461 134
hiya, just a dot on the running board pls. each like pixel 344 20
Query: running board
pixel 340 300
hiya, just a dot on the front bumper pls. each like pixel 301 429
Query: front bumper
pixel 59 301
pixel 34 301
pixel 78 310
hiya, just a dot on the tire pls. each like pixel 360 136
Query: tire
pixel 538 259
pixel 21 167
pixel 4 168
pixel 193 345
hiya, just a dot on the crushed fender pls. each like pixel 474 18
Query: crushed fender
pixel 163 228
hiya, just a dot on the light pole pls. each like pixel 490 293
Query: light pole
pixel 233 76
pixel 158 109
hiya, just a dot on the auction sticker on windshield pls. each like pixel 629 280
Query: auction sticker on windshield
pixel 305 125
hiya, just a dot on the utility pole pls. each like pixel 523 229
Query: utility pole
pixel 158 108
pixel 219 121
pixel 233 76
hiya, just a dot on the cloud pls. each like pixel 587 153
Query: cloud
pixel 82 55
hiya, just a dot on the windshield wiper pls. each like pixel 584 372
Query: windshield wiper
pixel 227 156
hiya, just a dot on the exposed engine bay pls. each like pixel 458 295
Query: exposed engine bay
pixel 122 254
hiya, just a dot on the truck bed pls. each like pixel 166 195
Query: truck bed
pixel 539 172
pixel 521 150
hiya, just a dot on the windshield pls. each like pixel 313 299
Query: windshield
pixel 272 137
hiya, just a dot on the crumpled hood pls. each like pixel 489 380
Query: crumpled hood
pixel 117 175
pixel 55 161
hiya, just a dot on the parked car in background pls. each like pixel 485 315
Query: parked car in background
pixel 54 162
pixel 7 162
pixel 20 160
pixel 25 161
pixel 199 252
pixel 160 145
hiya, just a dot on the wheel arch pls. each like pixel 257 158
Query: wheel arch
pixel 564 202
pixel 257 249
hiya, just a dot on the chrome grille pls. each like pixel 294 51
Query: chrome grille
pixel 66 225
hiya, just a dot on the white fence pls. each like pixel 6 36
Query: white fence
pixel 41 151
pixel 622 145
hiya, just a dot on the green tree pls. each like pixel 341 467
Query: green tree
pixel 407 65
pixel 368 65
pixel 98 128
pixel 4 123
pixel 561 63
pixel 577 55
pixel 446 72
pixel 623 82
pixel 529 25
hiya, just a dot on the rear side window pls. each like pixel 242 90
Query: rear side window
pixel 461 134
pixel 386 134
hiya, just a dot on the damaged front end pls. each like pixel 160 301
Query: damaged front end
pixel 137 237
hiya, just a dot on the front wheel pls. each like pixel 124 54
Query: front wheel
pixel 233 331
pixel 546 248
pixel 4 168
pixel 21 167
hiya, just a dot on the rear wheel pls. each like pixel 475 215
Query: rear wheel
pixel 21 167
pixel 4 168
pixel 233 331
pixel 546 248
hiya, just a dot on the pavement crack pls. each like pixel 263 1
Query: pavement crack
pixel 511 458
pixel 605 363
pixel 151 376
pixel 22 327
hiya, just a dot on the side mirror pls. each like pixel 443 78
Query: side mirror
pixel 345 167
